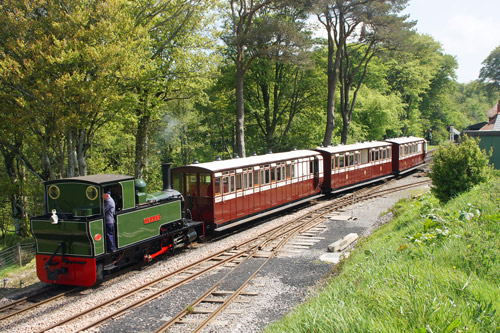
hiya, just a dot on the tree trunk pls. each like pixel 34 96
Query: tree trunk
pixel 71 147
pixel 240 105
pixel 333 75
pixel 346 122
pixel 15 195
pixel 141 141
pixel 82 153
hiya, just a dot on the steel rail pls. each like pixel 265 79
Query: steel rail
pixel 37 304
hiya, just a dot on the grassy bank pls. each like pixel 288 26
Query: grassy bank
pixel 434 268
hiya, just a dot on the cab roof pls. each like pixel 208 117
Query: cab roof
pixel 100 179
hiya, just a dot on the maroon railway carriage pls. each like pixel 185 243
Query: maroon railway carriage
pixel 407 153
pixel 220 193
pixel 348 165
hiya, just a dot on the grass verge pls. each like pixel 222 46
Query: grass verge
pixel 434 268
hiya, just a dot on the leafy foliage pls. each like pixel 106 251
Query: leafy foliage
pixel 456 169
pixel 490 72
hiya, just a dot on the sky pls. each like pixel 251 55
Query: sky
pixel 468 30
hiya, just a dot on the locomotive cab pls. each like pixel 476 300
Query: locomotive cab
pixel 70 235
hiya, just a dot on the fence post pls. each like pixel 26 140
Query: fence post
pixel 19 254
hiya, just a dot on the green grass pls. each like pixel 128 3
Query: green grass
pixel 432 269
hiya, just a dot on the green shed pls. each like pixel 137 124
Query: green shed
pixel 489 134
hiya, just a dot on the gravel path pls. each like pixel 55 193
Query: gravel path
pixel 284 283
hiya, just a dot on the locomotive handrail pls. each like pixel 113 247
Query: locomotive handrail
pixel 49 262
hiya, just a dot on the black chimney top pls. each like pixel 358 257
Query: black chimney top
pixel 167 181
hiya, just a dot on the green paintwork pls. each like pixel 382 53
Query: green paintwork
pixel 131 226
pixel 488 140
pixel 96 228
pixel 492 142
pixel 73 234
pixel 128 189
pixel 72 200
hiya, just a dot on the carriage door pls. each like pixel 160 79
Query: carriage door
pixel 315 169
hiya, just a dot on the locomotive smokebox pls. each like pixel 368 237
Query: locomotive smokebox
pixel 167 181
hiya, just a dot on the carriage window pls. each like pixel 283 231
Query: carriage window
pixel 205 184
pixel 225 185
pixel 333 163
pixel 376 155
pixel 178 182
pixel 400 150
pixel 341 161
pixel 273 174
pixel 238 181
pixel 357 159
pixel 288 171
pixel 278 173
pixel 389 152
pixel 351 159
pixel 267 178
pixel 384 154
pixel 256 178
pixel 250 179
pixel 217 186
pixel 191 184
pixel 231 184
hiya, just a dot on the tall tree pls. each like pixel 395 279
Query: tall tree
pixel 248 41
pixel 175 29
pixel 277 91
pixel 347 21
pixel 66 61
pixel 490 72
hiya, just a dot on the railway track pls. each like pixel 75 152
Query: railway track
pixel 42 297
pixel 269 248
pixel 265 246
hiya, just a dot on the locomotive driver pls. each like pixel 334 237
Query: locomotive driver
pixel 109 212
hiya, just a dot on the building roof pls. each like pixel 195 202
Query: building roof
pixel 492 112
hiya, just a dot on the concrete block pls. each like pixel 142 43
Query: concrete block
pixel 343 242
pixel 333 258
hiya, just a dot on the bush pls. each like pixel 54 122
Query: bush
pixel 457 168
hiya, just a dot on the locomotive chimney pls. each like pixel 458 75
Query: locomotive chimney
pixel 167 181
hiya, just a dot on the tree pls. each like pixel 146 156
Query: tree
pixel 175 29
pixel 456 169
pixel 356 26
pixel 69 88
pixel 411 71
pixel 490 72
pixel 273 36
